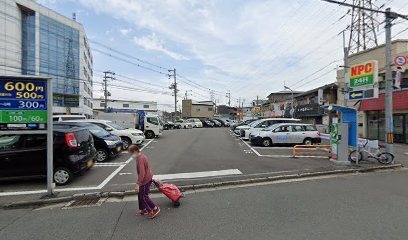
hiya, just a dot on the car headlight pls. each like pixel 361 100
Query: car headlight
pixel 137 134
pixel 110 143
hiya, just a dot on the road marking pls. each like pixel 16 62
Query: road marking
pixel 271 148
pixel 291 156
pixel 100 186
pixel 109 164
pixel 406 153
pixel 256 152
pixel 198 174
pixel 126 173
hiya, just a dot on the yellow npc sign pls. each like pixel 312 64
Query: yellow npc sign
pixel 364 74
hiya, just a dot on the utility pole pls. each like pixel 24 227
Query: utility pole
pixel 229 98
pixel 174 87
pixel 389 127
pixel 106 93
pixel 346 75
pixel 389 17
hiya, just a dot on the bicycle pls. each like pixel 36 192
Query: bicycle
pixel 381 157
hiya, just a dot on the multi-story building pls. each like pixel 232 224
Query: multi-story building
pixel 309 104
pixel 279 104
pixel 124 105
pixel 202 110
pixel 371 117
pixel 35 40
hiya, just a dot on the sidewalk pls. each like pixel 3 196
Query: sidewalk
pixel 193 184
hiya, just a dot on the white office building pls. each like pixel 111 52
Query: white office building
pixel 115 105
pixel 35 40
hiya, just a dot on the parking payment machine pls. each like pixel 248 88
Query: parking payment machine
pixel 343 135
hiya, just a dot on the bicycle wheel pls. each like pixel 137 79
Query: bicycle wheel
pixel 385 158
pixel 353 156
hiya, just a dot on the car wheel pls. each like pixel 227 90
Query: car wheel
pixel 266 142
pixel 307 141
pixel 62 176
pixel 150 134
pixel 126 143
pixel 101 155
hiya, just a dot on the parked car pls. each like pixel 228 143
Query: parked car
pixel 237 129
pixel 207 123
pixel 196 122
pixel 107 145
pixel 59 118
pixel 244 123
pixel 25 155
pixel 264 123
pixel 216 123
pixel 183 124
pixel 223 122
pixel 168 125
pixel 287 133
pixel 128 135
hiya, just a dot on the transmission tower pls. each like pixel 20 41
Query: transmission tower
pixel 363 26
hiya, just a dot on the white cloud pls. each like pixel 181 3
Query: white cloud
pixel 251 47
pixel 125 31
pixel 151 42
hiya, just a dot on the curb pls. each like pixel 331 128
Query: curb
pixel 40 202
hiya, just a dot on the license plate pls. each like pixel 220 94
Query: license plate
pixel 119 148
pixel 90 163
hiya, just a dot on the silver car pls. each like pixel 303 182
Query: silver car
pixel 287 133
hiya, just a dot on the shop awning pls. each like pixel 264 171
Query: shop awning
pixel 400 102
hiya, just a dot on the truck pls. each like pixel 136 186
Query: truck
pixel 150 124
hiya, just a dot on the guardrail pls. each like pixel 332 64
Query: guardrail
pixel 295 153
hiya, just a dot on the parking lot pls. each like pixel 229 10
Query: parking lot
pixel 185 156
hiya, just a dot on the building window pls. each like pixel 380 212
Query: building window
pixel 146 106
pixel 102 104
pixel 198 109
pixel 210 109
pixel 28 43
pixel 126 105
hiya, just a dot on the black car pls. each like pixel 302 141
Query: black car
pixel 207 123
pixel 25 155
pixel 223 123
pixel 168 125
pixel 107 145
pixel 216 123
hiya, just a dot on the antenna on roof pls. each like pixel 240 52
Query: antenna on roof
pixel 74 16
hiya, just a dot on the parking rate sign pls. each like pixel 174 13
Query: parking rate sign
pixel 23 100
pixel 364 74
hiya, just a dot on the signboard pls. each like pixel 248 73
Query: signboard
pixel 400 61
pixel 364 74
pixel 363 94
pixel 23 100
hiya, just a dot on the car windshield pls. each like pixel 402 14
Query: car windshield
pixel 252 124
pixel 115 126
pixel 97 131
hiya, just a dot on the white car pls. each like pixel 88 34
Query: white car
pixel 183 124
pixel 238 129
pixel 128 135
pixel 264 123
pixel 195 122
pixel 287 133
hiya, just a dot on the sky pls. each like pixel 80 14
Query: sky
pixel 247 48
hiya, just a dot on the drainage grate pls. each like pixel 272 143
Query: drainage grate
pixel 84 202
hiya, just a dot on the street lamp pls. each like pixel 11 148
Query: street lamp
pixel 293 109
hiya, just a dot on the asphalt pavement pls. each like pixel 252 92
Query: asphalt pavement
pixel 362 206
pixel 184 157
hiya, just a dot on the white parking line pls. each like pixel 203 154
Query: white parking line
pixel 256 152
pixel 269 148
pixel 198 174
pixel 100 186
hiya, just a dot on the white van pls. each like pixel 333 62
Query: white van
pixel 60 118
